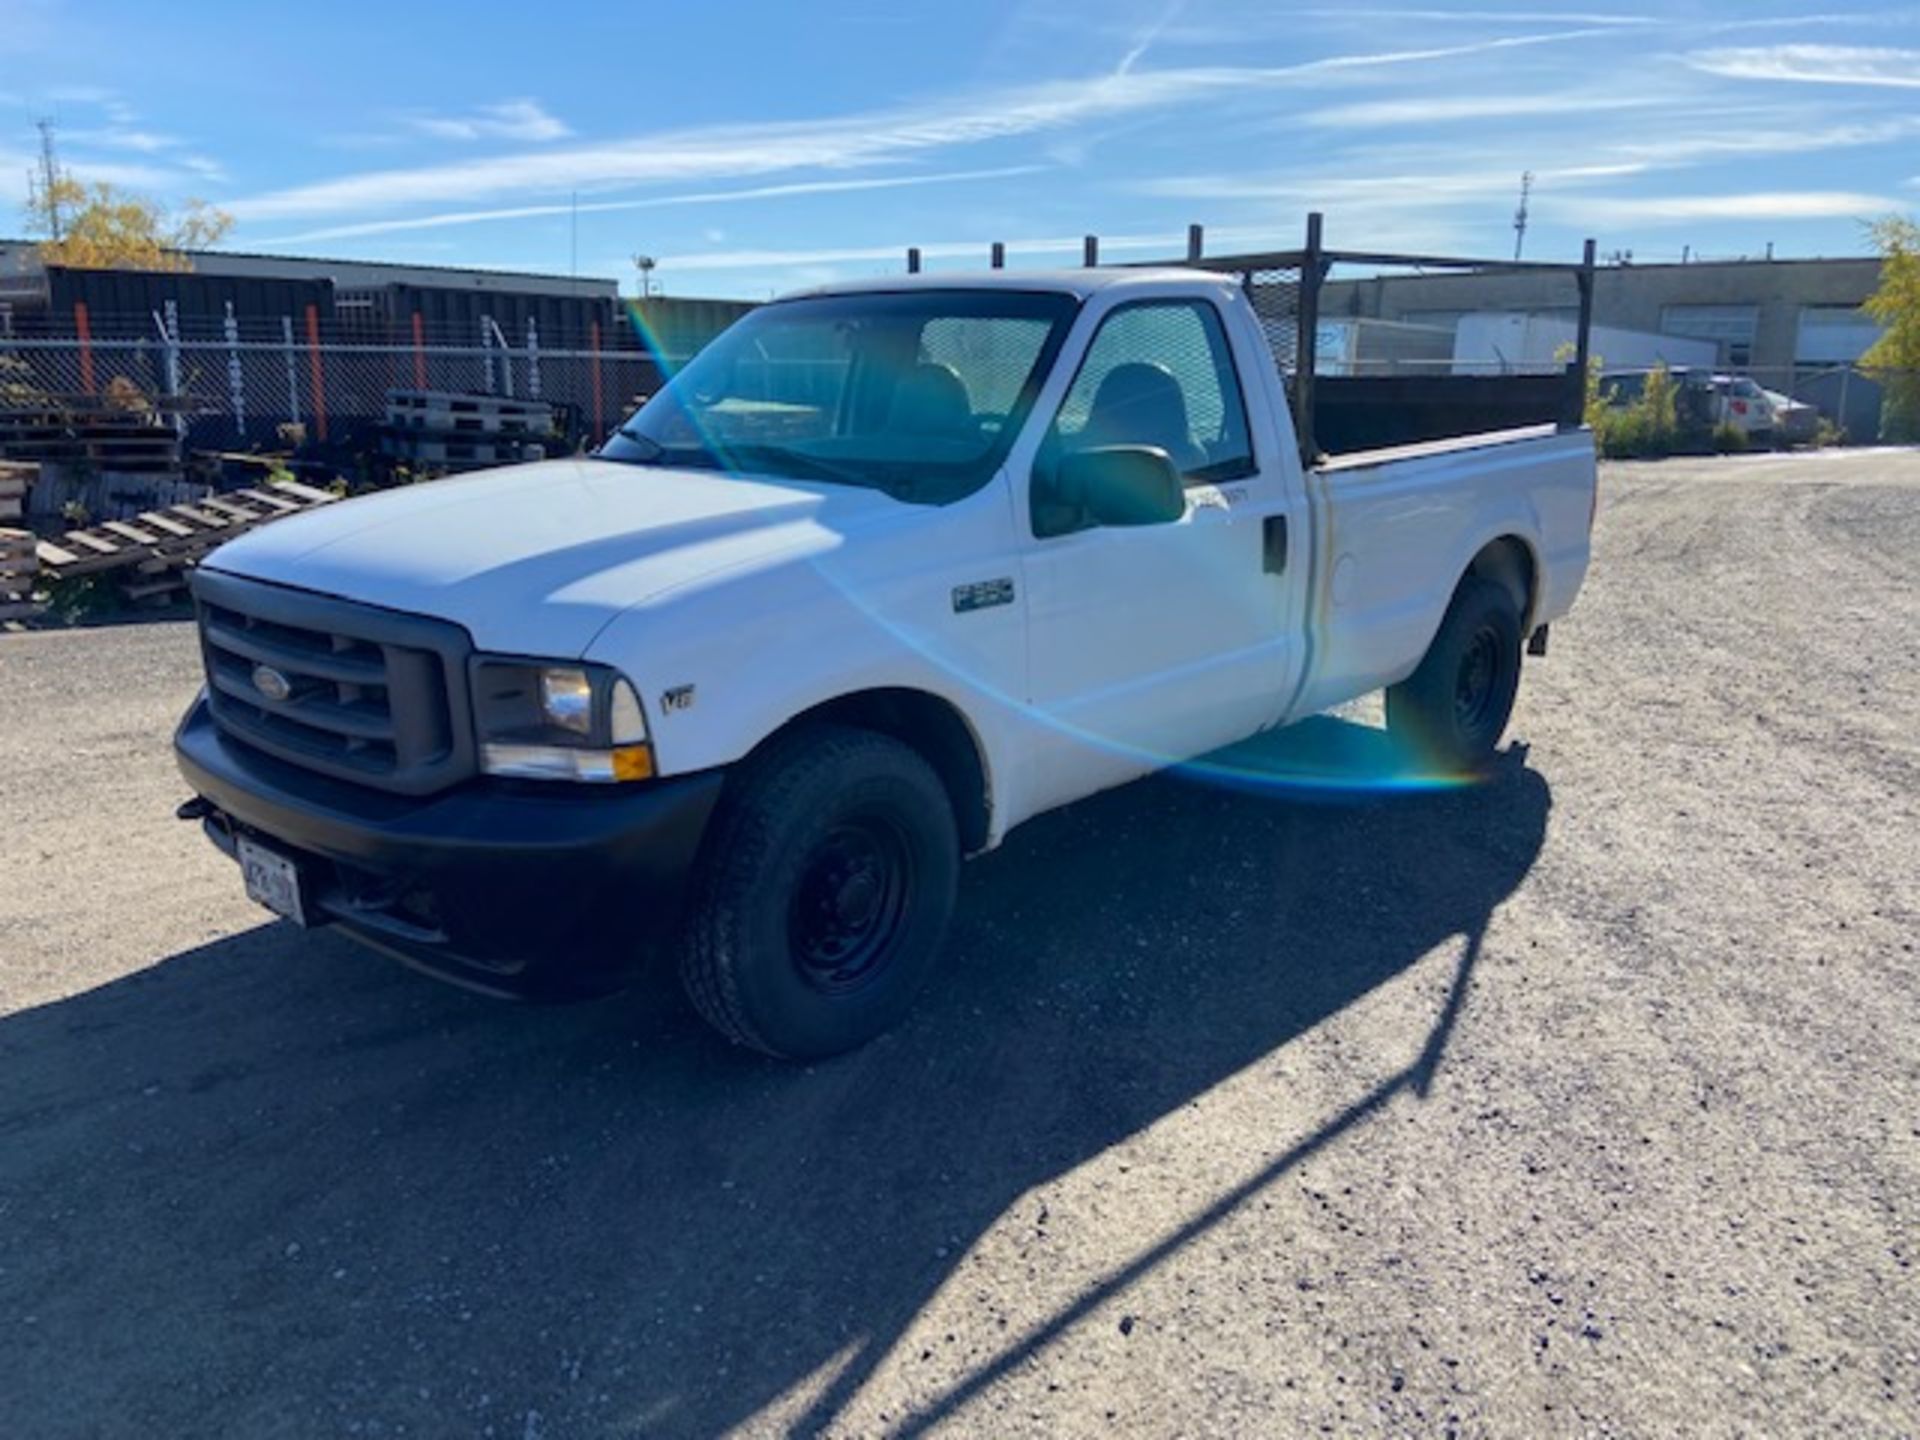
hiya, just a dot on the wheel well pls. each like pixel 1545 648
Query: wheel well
pixel 937 731
pixel 1508 561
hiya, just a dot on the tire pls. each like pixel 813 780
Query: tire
pixel 1450 713
pixel 823 893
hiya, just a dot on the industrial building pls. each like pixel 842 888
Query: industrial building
pixel 1772 316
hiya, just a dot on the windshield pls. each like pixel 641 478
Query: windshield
pixel 919 393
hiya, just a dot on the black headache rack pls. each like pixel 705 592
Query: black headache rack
pixel 1374 403
pixel 1339 408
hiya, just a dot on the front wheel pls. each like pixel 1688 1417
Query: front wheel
pixel 824 893
pixel 1450 713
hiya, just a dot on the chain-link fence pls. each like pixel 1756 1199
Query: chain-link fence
pixel 237 390
pixel 1841 404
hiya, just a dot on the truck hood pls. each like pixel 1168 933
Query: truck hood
pixel 536 559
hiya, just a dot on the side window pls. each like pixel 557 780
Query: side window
pixel 1159 373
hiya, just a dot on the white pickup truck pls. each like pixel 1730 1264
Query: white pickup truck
pixel 886 570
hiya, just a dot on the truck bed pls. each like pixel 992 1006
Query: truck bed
pixel 1390 526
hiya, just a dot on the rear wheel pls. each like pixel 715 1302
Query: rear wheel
pixel 824 895
pixel 1451 712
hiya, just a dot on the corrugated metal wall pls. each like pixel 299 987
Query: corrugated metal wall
pixel 122 303
pixel 455 317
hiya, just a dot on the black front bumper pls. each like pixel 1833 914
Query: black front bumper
pixel 519 888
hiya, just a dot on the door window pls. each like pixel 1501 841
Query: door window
pixel 1159 373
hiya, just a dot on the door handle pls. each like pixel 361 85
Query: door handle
pixel 1273 548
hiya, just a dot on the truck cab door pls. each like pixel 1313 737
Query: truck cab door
pixel 1151 644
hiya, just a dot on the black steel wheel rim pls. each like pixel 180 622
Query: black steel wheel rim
pixel 1477 681
pixel 851 903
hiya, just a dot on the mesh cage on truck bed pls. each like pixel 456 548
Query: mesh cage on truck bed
pixel 1401 403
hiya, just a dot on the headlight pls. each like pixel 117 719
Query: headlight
pixel 558 722
pixel 566 699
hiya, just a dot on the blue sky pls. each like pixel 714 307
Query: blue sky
pixel 753 147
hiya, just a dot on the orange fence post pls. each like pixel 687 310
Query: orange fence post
pixel 419 353
pixel 315 373
pixel 83 328
pixel 599 396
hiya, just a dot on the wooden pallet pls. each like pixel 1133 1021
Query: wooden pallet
pixel 443 413
pixel 19 569
pixel 14 480
pixel 457 450
pixel 104 439
pixel 158 547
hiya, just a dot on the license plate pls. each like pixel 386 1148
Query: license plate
pixel 272 880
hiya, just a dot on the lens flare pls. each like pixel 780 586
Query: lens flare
pixel 649 338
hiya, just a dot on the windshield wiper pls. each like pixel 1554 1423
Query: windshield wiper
pixel 652 446
pixel 652 452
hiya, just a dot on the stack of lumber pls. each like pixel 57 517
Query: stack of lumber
pixel 157 548
pixel 439 427
pixel 14 481
pixel 19 566
pixel 89 433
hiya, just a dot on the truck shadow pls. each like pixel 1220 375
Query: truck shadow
pixel 275 1183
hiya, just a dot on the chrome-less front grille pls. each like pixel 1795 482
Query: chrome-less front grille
pixel 349 690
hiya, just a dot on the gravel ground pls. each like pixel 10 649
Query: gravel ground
pixel 1586 1101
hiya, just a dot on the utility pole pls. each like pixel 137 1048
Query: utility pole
pixel 1520 215
pixel 46 185
pixel 644 264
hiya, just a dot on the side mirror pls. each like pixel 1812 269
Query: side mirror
pixel 1124 485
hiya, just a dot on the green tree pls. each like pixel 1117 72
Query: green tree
pixel 1894 359
pixel 101 227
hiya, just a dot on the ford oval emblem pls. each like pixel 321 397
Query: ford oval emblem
pixel 271 683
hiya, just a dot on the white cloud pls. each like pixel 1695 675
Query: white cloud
pixel 1145 41
pixel 1814 64
pixel 120 137
pixel 1373 114
pixel 720 152
pixel 1426 189
pixel 83 94
pixel 507 120
pixel 714 197
pixel 130 174
pixel 1514 17
pixel 204 166
pixel 1757 205
pixel 1790 138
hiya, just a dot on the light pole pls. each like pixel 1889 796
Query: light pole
pixel 644 264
